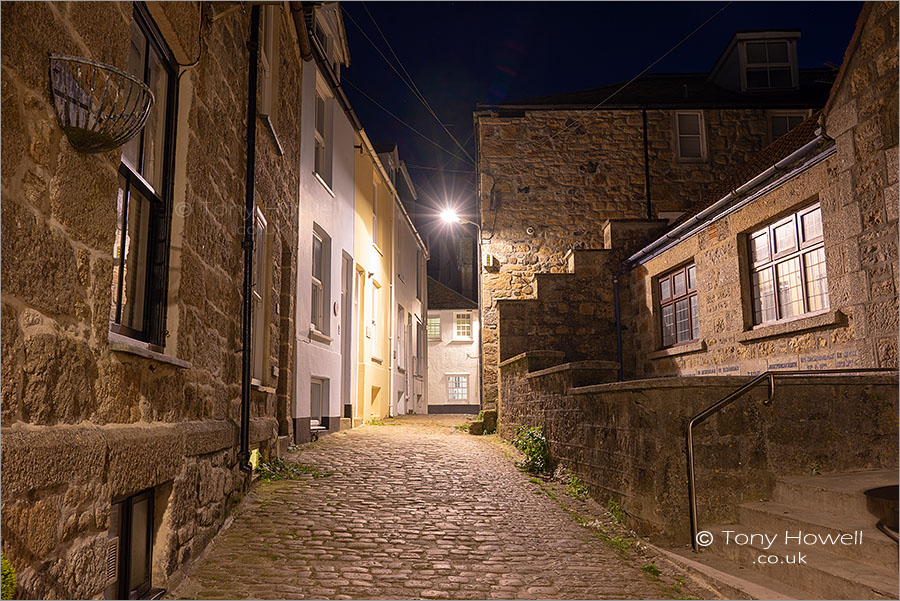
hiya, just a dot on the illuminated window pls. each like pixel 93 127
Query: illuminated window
pixel 434 328
pixel 458 387
pixel 787 267
pixel 679 312
pixel 140 250
pixel 691 136
pixel 768 65
pixel 463 326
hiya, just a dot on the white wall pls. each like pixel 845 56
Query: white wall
pixel 333 211
pixel 450 356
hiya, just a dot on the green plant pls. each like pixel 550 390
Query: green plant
pixel 273 469
pixel 8 578
pixel 574 487
pixel 615 510
pixel 532 442
pixel 464 427
pixel 651 571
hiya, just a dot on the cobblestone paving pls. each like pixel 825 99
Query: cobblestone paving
pixel 416 510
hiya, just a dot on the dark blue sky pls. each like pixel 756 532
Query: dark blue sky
pixel 463 53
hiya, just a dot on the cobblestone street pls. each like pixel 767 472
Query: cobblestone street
pixel 415 509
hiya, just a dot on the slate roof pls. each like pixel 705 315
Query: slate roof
pixel 692 90
pixel 441 297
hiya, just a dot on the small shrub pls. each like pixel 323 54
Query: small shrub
pixel 7 579
pixel 533 443
pixel 273 469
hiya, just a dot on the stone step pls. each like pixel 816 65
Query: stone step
pixel 728 579
pixel 875 547
pixel 821 574
pixel 839 493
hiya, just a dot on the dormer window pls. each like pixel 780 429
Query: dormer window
pixel 769 64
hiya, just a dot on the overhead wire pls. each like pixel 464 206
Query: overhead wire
pixel 580 121
pixel 412 88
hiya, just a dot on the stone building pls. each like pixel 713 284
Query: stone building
pixel 122 288
pixel 785 265
pixel 552 170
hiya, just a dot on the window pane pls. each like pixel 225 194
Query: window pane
pixel 679 283
pixel 763 296
pixel 690 146
pixel 117 245
pixel 320 158
pixel 812 225
pixel 135 276
pixel 140 522
pixel 688 124
pixel 463 325
pixel 757 78
pixel 320 115
pixel 779 126
pixel 434 327
pixel 816 280
pixel 692 277
pixel 665 288
pixel 790 294
pixel 695 318
pixel 785 237
pixel 668 325
pixel 458 388
pixel 317 258
pixel 756 53
pixel 682 320
pixel 155 129
pixel 794 121
pixel 130 151
pixel 778 52
pixel 780 77
pixel 759 248
pixel 315 402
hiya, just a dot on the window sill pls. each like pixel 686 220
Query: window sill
pixel 697 346
pixel 801 324
pixel 123 344
pixel 324 184
pixel 319 336
pixel 463 339
pixel 258 385
pixel 377 249
pixel 378 360
pixel 693 160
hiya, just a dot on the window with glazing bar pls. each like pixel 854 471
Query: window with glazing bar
pixel 140 250
pixel 787 267
pixel 317 311
pixel 679 312
pixel 434 328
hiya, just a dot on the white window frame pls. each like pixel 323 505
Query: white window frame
pixel 317 308
pixel 802 115
pixel 701 135
pixel 428 325
pixel 791 63
pixel 260 297
pixel 419 366
pixel 461 379
pixel 376 337
pixel 401 339
pixel 322 399
pixel 457 324
pixel 322 133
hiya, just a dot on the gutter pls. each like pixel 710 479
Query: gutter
pixel 302 34
pixel 247 245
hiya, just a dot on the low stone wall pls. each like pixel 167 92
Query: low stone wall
pixel 626 440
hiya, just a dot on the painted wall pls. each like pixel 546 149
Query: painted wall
pixel 408 394
pixel 332 209
pixel 452 356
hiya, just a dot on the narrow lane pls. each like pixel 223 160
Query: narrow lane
pixel 417 510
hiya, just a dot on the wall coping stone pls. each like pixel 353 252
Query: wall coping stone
pixel 533 355
pixel 731 381
pixel 575 365
pixel 823 320
pixel 124 344
pixel 681 349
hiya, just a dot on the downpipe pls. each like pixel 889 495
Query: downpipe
pixel 247 245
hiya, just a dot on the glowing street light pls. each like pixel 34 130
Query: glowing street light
pixel 450 216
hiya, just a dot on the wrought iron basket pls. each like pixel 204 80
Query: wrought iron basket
pixel 99 107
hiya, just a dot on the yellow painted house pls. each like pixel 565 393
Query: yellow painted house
pixel 373 249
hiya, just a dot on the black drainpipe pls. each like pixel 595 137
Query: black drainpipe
pixel 249 218
pixel 646 165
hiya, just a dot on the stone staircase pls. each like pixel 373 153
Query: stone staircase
pixel 823 508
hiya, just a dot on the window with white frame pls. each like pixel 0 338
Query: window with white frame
pixel 420 284
pixel 678 309
pixel 318 400
pixel 434 327
pixel 781 123
pixel 458 387
pixel 376 323
pixel 787 267
pixel 691 135
pixel 401 339
pixel 260 297
pixel 463 323
pixel 318 309
pixel 375 212
pixel 420 348
pixel 768 64
pixel 322 151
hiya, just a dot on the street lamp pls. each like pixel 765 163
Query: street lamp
pixel 450 216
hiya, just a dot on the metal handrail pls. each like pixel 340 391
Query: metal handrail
pixel 719 405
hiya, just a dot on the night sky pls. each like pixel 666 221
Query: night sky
pixel 459 54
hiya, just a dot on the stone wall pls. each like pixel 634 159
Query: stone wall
pixel 563 173
pixel 86 418
pixel 626 441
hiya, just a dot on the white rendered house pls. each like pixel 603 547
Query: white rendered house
pixel 452 332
